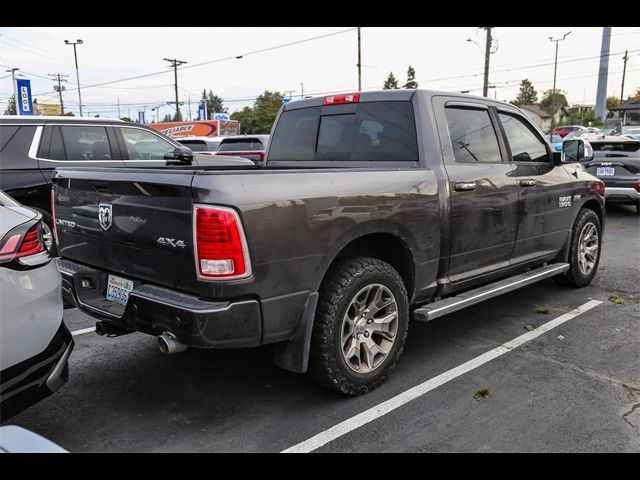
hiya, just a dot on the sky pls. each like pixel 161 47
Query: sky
pixel 442 58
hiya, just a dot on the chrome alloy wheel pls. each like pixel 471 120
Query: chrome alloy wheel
pixel 47 236
pixel 588 247
pixel 369 328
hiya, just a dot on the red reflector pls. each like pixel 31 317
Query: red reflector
pixel 339 99
pixel 598 187
pixel 220 251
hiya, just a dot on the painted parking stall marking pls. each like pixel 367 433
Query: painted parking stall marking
pixel 407 396
pixel 84 330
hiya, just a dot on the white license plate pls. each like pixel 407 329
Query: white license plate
pixel 118 289
pixel 605 171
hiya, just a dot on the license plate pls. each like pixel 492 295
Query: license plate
pixel 605 171
pixel 118 289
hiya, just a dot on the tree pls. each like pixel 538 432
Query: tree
pixel 11 108
pixel 612 102
pixel 260 117
pixel 553 101
pixel 178 116
pixel 390 83
pixel 126 119
pixel 637 95
pixel 214 103
pixel 527 94
pixel 167 118
pixel 586 117
pixel 411 78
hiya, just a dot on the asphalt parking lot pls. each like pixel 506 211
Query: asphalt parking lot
pixel 574 388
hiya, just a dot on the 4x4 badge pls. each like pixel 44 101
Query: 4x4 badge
pixel 105 216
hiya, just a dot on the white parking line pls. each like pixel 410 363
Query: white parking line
pixel 405 397
pixel 84 330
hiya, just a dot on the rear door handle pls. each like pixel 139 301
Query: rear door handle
pixel 528 182
pixel 464 186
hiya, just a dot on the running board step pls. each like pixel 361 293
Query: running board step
pixel 477 295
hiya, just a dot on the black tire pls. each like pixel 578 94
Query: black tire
pixel 574 277
pixel 48 224
pixel 638 208
pixel 344 280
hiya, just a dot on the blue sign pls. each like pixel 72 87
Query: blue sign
pixel 286 100
pixel 221 116
pixel 141 117
pixel 25 106
pixel 202 112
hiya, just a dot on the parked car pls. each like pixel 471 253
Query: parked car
pixel 202 145
pixel 633 133
pixel 617 162
pixel 31 147
pixel 35 344
pixel 564 130
pixel 252 147
pixel 370 208
pixel 556 141
pixel 14 439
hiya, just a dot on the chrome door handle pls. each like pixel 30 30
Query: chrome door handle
pixel 528 182
pixel 464 186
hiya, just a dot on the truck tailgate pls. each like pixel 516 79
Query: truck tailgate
pixel 132 222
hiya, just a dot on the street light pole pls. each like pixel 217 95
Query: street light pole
pixel 75 56
pixel 487 55
pixel 555 69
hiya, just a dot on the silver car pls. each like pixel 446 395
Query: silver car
pixel 35 344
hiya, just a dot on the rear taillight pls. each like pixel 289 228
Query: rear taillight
pixel 25 247
pixel 340 99
pixel 221 249
pixel 598 187
pixel 53 217
pixel 637 186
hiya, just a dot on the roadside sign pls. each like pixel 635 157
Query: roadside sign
pixel 202 112
pixel 286 100
pixel 141 117
pixel 25 106
pixel 221 116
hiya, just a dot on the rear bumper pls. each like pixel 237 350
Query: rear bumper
pixel 151 309
pixel 37 377
pixel 621 195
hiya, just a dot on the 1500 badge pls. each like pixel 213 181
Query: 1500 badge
pixel 170 242
pixel 564 201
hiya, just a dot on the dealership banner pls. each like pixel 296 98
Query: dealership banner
pixel 25 106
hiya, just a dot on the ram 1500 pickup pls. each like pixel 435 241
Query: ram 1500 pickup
pixel 370 209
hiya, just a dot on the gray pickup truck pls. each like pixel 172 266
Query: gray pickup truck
pixel 369 210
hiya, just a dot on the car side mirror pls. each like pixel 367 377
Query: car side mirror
pixel 577 150
pixel 182 155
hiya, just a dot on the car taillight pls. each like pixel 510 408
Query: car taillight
pixel 53 216
pixel 637 186
pixel 28 247
pixel 221 249
pixel 598 187
pixel 339 99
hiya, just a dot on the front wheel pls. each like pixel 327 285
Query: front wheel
pixel 584 251
pixel 360 325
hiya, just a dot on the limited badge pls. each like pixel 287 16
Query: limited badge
pixel 105 215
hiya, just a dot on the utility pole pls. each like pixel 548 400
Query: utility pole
pixel 15 88
pixel 555 69
pixel 624 72
pixel 359 63
pixel 175 63
pixel 59 88
pixel 603 72
pixel 301 90
pixel 118 107
pixel 487 55
pixel 75 55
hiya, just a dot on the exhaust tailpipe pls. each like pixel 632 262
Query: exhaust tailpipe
pixel 169 344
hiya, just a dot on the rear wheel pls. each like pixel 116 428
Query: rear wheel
pixel 360 326
pixel 584 251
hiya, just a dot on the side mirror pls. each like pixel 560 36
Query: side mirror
pixel 577 150
pixel 181 156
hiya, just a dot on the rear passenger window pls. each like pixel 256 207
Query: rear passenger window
pixel 373 131
pixel 472 136
pixel 85 143
pixel 524 144
pixel 15 142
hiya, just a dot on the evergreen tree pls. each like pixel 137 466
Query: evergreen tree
pixel 214 103
pixel 390 83
pixel 11 108
pixel 527 94
pixel 411 78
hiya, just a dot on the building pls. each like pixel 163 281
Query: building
pixel 538 116
pixel 628 111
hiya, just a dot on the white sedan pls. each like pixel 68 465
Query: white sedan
pixel 35 344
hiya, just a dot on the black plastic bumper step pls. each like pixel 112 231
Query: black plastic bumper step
pixel 477 295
